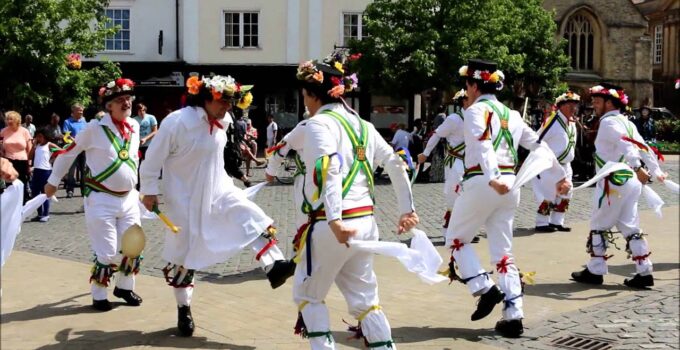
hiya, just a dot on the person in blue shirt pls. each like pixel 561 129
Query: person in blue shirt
pixel 148 126
pixel 74 124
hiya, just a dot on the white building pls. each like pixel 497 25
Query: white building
pixel 258 42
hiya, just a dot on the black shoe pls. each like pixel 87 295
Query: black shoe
pixel 487 302
pixel 560 228
pixel 547 228
pixel 639 281
pixel 69 194
pixel 185 323
pixel 586 276
pixel 131 298
pixel 102 305
pixel 475 239
pixel 280 272
pixel 510 328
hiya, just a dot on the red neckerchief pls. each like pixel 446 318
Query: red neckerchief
pixel 123 127
pixel 213 123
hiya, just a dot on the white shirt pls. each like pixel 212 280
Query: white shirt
pixel 557 138
pixel 451 129
pixel 271 129
pixel 324 135
pixel 99 154
pixel 481 152
pixel 41 157
pixel 610 145
pixel 401 139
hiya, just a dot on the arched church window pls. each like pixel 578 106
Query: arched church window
pixel 580 36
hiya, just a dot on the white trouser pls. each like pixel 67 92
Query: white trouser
pixel 452 177
pixel 619 209
pixel 352 271
pixel 480 205
pixel 107 217
pixel 545 190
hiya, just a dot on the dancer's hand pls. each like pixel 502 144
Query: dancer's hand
pixel 7 171
pixel 661 178
pixel 50 190
pixel 499 187
pixel 407 222
pixel 642 175
pixel 563 186
pixel 422 158
pixel 341 232
pixel 150 201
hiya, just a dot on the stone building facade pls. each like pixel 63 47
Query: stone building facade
pixel 607 40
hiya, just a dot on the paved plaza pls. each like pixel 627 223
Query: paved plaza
pixel 45 300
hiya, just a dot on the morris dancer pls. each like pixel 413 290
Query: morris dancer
pixel 615 199
pixel 111 203
pixel 340 152
pixel 451 130
pixel 559 133
pixel 216 218
pixel 492 135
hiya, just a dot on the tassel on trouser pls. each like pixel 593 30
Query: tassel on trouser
pixel 374 328
pixel 597 246
pixel 182 280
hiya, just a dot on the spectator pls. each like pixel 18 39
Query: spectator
pixel 148 126
pixel 250 144
pixel 645 124
pixel 272 130
pixel 53 130
pixel 42 169
pixel 28 124
pixel 417 137
pixel 16 145
pixel 402 138
pixel 73 126
pixel 441 116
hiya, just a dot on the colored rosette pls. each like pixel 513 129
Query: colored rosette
pixel 245 101
pixel 194 85
pixel 406 157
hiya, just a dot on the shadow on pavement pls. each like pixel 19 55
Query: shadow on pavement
pixel 564 291
pixel 628 270
pixel 252 275
pixel 43 311
pixel 124 339
pixel 406 335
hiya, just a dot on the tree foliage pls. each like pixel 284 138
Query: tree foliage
pixel 416 45
pixel 35 38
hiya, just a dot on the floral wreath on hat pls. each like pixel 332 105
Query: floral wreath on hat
pixel 221 87
pixel 460 95
pixel 115 88
pixel 339 60
pixel 568 96
pixel 617 94
pixel 485 76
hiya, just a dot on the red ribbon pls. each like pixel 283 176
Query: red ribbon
pixel 275 148
pixel 447 218
pixel 658 154
pixel 641 258
pixel 639 144
pixel 457 245
pixel 271 243
pixel 123 127
pixel 502 266
pixel 487 132
pixel 214 123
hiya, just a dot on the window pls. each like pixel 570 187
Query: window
pixel 581 42
pixel 353 27
pixel 658 44
pixel 241 29
pixel 120 41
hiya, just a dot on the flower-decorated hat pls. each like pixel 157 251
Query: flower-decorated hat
pixel 333 73
pixel 483 71
pixel 221 87
pixel 460 96
pixel 568 96
pixel 115 88
pixel 616 93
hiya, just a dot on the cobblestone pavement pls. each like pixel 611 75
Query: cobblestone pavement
pixel 646 320
pixel 65 235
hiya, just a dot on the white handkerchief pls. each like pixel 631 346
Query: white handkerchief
pixel 10 218
pixel 144 213
pixel 32 206
pixel 607 169
pixel 671 186
pixel 252 190
pixel 537 162
pixel 654 202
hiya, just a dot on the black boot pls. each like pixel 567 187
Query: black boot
pixel 560 228
pixel 130 297
pixel 546 228
pixel 586 276
pixel 280 271
pixel 487 302
pixel 475 239
pixel 510 328
pixel 185 323
pixel 639 281
pixel 102 305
